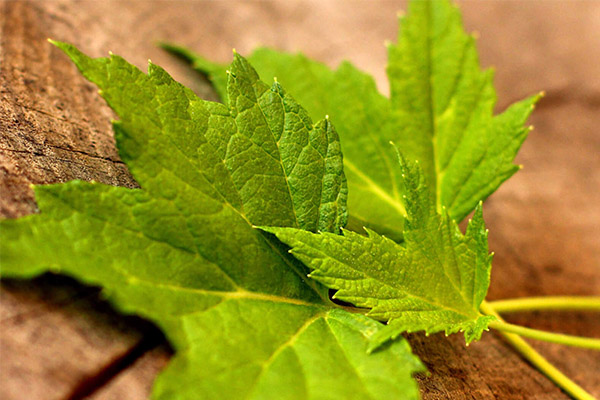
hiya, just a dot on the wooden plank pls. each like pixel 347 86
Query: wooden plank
pixel 543 224
pixel 57 336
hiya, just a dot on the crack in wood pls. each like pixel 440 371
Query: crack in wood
pixel 92 384
pixel 41 154
pixel 46 113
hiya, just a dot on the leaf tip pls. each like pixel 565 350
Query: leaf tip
pixel 61 45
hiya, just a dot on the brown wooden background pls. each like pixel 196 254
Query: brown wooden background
pixel 59 340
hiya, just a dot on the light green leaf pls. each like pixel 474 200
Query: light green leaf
pixel 244 319
pixel 351 99
pixel 440 112
pixel 445 102
pixel 435 282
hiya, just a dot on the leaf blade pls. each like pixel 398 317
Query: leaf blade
pixel 435 282
pixel 182 251
pixel 440 113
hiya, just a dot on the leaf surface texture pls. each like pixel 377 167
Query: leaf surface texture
pixel 435 281
pixel 243 317
pixel 440 112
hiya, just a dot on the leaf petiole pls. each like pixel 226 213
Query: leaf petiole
pixel 569 340
pixel 547 303
pixel 538 361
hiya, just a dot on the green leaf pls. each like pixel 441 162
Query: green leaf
pixel 434 282
pixel 440 112
pixel 445 102
pixel 361 114
pixel 241 314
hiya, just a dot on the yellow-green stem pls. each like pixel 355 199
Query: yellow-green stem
pixel 547 303
pixel 576 341
pixel 538 361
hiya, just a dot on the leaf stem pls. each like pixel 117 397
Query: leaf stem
pixel 538 361
pixel 547 303
pixel 576 341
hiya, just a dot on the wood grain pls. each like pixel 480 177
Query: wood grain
pixel 57 336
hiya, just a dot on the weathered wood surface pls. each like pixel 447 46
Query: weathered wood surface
pixel 59 340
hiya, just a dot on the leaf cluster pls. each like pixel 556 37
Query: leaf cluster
pixel 247 318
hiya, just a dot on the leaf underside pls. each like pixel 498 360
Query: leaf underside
pixel 244 319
